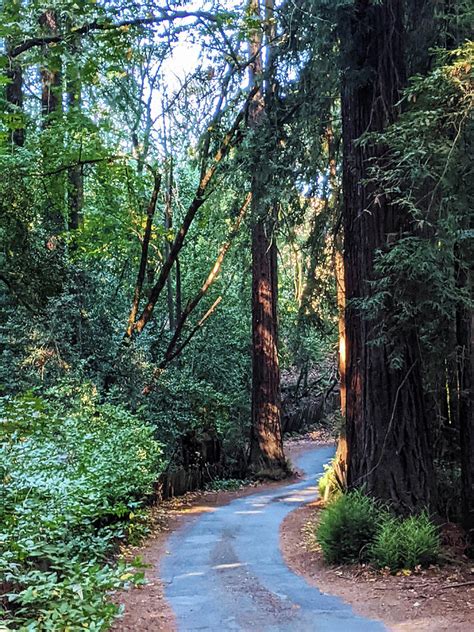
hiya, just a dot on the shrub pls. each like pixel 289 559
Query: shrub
pixel 385 549
pixel 347 526
pixel 73 485
pixel 406 543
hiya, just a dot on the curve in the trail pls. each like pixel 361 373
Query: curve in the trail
pixel 225 571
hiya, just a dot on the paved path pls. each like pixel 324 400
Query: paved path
pixel 225 571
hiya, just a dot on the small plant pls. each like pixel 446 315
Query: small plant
pixel 420 540
pixel 329 487
pixel 225 484
pixel 347 527
pixel 385 551
pixel 406 543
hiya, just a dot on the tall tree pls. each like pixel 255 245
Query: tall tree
pixel 50 71
pixel 75 177
pixel 266 447
pixel 388 445
pixel 51 106
pixel 14 74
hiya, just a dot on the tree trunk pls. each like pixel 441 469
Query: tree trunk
pixel 465 345
pixel 231 138
pixel 75 188
pixel 14 89
pixel 179 298
pixel 51 104
pixel 50 73
pixel 388 444
pixel 266 445
pixel 168 224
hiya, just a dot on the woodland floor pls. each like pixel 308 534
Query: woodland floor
pixel 430 600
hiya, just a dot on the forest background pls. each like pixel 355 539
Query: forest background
pixel 168 172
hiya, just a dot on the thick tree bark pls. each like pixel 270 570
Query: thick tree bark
pixel 266 444
pixel 388 443
pixel 341 325
pixel 465 345
pixel 14 97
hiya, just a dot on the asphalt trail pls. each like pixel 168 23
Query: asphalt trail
pixel 224 571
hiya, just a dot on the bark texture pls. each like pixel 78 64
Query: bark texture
pixel 388 445
pixel 266 445
pixel 465 345
pixel 14 98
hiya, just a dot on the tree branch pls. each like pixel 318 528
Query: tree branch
pixel 144 255
pixel 212 276
pixel 192 333
pixel 164 16
pixel 230 139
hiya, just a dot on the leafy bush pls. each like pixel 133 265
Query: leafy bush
pixel 347 527
pixel 405 543
pixel 355 528
pixel 73 486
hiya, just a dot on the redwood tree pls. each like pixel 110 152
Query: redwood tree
pixel 266 447
pixel 388 444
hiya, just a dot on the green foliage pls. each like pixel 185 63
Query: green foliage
pixel 226 484
pixel 329 487
pixel 405 544
pixel 73 485
pixel 347 527
pixel 76 472
pixel 426 172
pixel 355 528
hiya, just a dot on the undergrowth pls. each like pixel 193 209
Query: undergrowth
pixel 73 488
pixel 408 543
pixel 226 484
pixel 348 524
pixel 355 528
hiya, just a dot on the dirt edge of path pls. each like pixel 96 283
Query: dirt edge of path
pixel 146 608
pixel 420 602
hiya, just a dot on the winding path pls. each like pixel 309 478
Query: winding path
pixel 225 571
